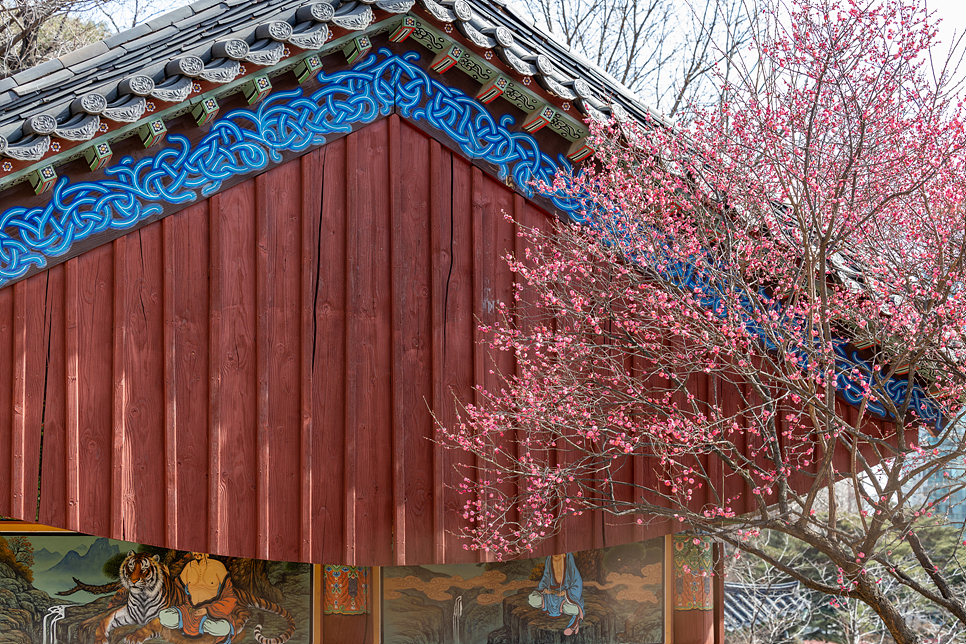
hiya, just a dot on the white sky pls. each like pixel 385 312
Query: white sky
pixel 952 13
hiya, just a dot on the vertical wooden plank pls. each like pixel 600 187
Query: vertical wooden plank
pixel 72 297
pixel 53 473
pixel 482 295
pixel 265 301
pixel 235 360
pixel 311 183
pixel 279 196
pixel 414 494
pixel 6 399
pixel 144 484
pixel 169 295
pixel 93 376
pixel 353 334
pixel 369 343
pixel 30 364
pixel 216 536
pixel 333 492
pixel 457 300
pixel 19 360
pixel 120 464
pixel 187 383
pixel 399 250
pixel 440 258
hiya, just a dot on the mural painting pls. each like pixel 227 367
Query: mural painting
pixel 70 588
pixel 608 596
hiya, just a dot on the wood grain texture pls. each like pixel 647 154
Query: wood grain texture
pixel 6 399
pixel 332 502
pixel 19 383
pixel 439 263
pixel 187 374
pixel 217 541
pixel 121 463
pixel 280 212
pixel 369 345
pixel 457 362
pixel 29 364
pixel 53 466
pixel 412 308
pixel 72 296
pixel 235 346
pixel 399 249
pixel 355 331
pixel 144 499
pixel 94 376
pixel 311 199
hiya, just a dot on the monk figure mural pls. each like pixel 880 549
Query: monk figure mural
pixel 212 606
pixel 561 591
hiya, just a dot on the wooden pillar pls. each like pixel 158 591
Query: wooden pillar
pixel 347 604
pixel 719 593
pixel 693 590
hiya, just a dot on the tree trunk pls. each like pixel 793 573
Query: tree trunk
pixel 887 611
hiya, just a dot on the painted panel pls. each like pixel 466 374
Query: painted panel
pixel 66 587
pixel 601 596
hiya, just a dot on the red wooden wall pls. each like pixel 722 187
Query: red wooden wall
pixel 254 375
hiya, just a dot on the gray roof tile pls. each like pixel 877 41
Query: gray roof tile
pixel 146 48
pixel 126 36
pixel 171 17
pixel 203 5
pixel 38 71
pixel 96 62
pixel 41 83
pixel 84 53
pixel 142 43
pixel 211 13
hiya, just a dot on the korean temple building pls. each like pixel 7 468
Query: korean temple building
pixel 244 254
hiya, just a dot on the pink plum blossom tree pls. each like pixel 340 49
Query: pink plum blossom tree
pixel 753 321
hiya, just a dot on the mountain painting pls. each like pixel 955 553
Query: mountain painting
pixel 70 588
pixel 608 596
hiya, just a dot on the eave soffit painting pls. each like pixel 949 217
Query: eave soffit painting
pixel 215 147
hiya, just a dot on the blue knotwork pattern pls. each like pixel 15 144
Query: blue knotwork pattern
pixel 245 141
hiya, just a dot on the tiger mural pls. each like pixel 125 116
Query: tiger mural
pixel 156 628
pixel 149 587
pixel 251 601
pixel 214 611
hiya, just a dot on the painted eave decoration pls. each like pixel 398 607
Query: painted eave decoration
pixel 87 104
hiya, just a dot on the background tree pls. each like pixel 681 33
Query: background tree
pixel 33 31
pixel 7 557
pixel 22 549
pixel 758 307
pixel 666 51
pixel 842 619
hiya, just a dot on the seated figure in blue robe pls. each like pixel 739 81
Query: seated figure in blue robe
pixel 561 591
